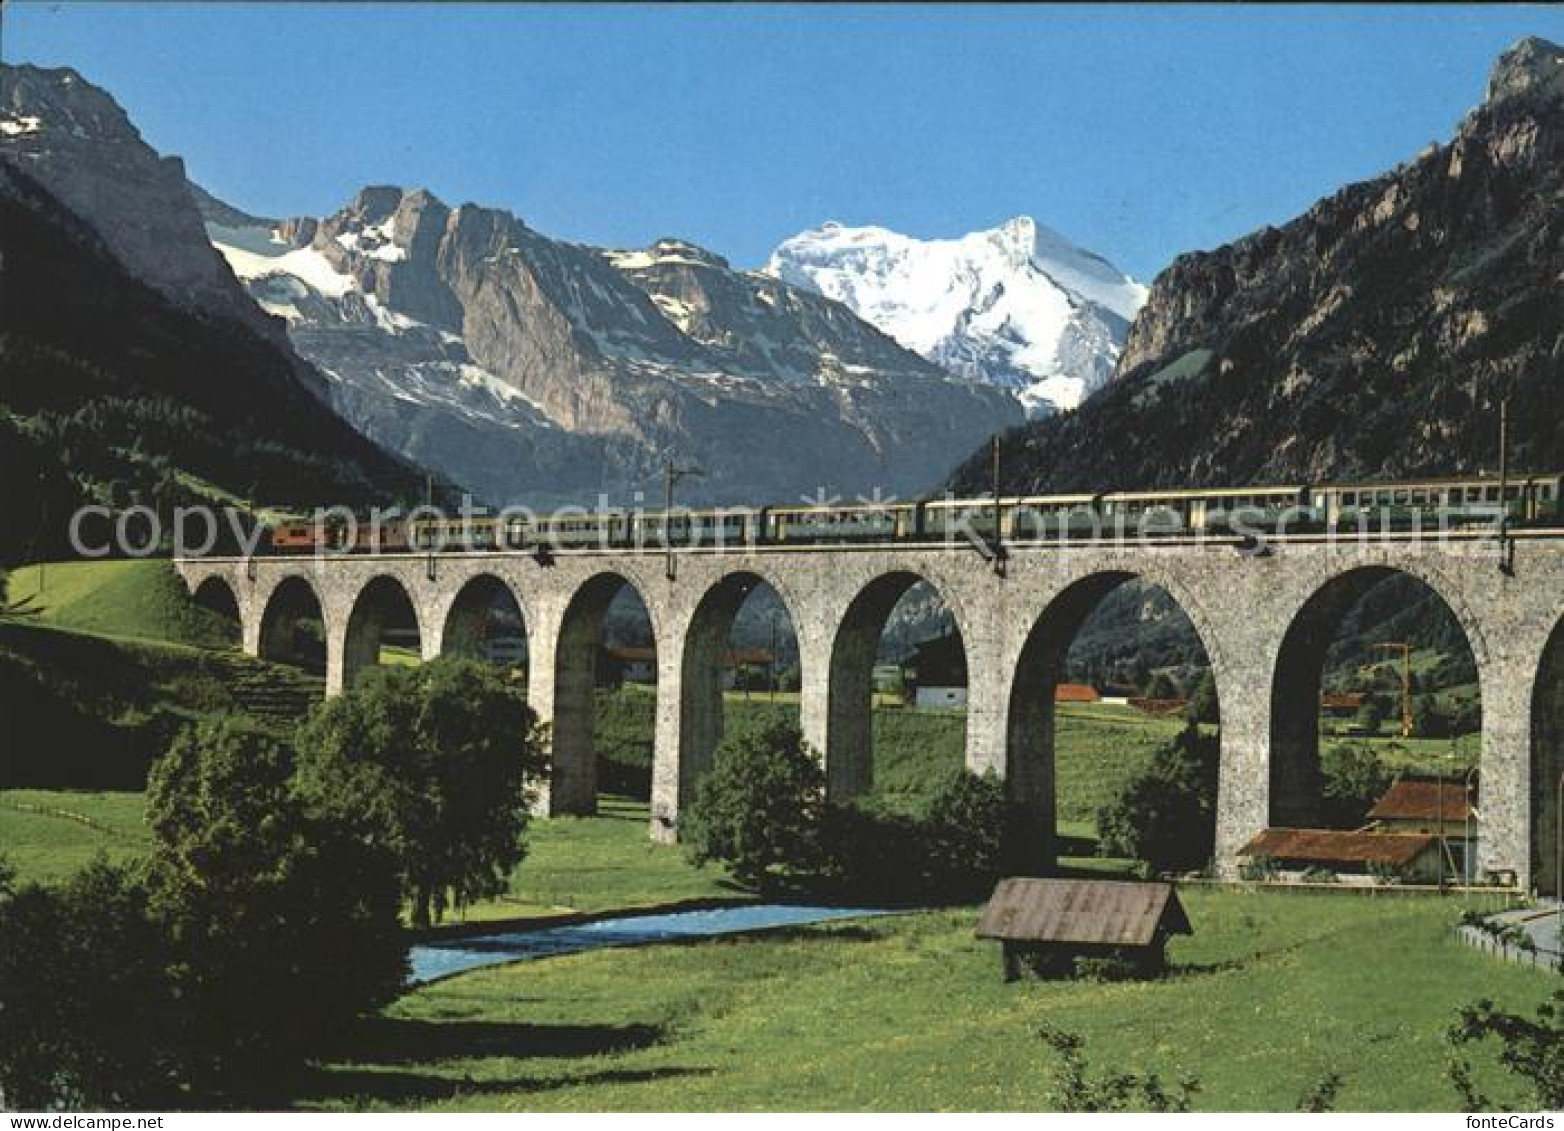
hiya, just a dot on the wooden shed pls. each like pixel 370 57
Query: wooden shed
pixel 1046 925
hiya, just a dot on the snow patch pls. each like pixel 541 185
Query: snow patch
pixel 305 264
pixel 1018 306
pixel 16 127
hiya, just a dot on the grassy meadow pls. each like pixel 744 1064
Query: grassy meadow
pixel 1273 991
pixel 131 600
pixel 909 1013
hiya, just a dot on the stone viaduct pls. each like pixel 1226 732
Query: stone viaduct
pixel 1265 620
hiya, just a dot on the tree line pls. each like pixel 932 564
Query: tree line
pixel 268 916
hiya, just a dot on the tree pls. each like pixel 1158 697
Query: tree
pixel 438 762
pixel 1203 706
pixel 1161 686
pixel 1166 815
pixel 249 941
pixel 282 920
pixel 1531 1049
pixel 1354 779
pixel 1372 713
pixel 1428 721
pixel 86 1001
pixel 758 811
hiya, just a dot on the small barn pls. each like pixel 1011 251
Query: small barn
pixel 1047 925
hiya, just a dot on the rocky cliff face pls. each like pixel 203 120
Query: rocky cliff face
pixel 75 141
pixel 1375 334
pixel 541 371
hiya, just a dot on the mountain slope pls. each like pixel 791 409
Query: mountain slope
pixel 542 371
pixel 117 391
pixel 1018 307
pixel 1373 335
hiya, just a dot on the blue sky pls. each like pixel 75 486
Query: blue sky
pixel 1138 132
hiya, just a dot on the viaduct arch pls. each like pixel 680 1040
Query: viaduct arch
pixel 1260 616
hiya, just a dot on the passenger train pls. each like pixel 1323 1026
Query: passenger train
pixel 1530 500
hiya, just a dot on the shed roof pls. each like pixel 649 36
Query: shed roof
pixel 1337 846
pixel 1423 799
pixel 1113 912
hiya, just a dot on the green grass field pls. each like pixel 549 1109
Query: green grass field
pixel 49 834
pixel 133 600
pixel 908 1012
pixel 573 863
pixel 1272 991
pixel 1098 747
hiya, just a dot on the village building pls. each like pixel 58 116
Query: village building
pixel 1076 693
pixel 1442 807
pixel 1341 705
pixel 939 698
pixel 1359 857
pixel 1046 925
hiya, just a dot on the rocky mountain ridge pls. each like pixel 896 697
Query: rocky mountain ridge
pixel 1374 335
pixel 536 370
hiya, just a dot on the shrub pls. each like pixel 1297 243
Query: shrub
pixel 1315 874
pixel 1260 868
pixel 1385 873
pixel 1322 1094
pixel 1203 707
pixel 1530 1049
pixel 1167 815
pixel 1076 1090
pixel 970 835
pixel 870 854
pixel 1354 779
pixel 966 838
pixel 759 811
pixel 1108 968
pixel 86 999
pixel 1372 713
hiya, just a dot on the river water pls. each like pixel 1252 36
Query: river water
pixel 432 960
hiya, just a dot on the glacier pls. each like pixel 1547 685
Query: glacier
pixel 1018 306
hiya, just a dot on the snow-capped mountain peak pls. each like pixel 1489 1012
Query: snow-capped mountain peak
pixel 1018 306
